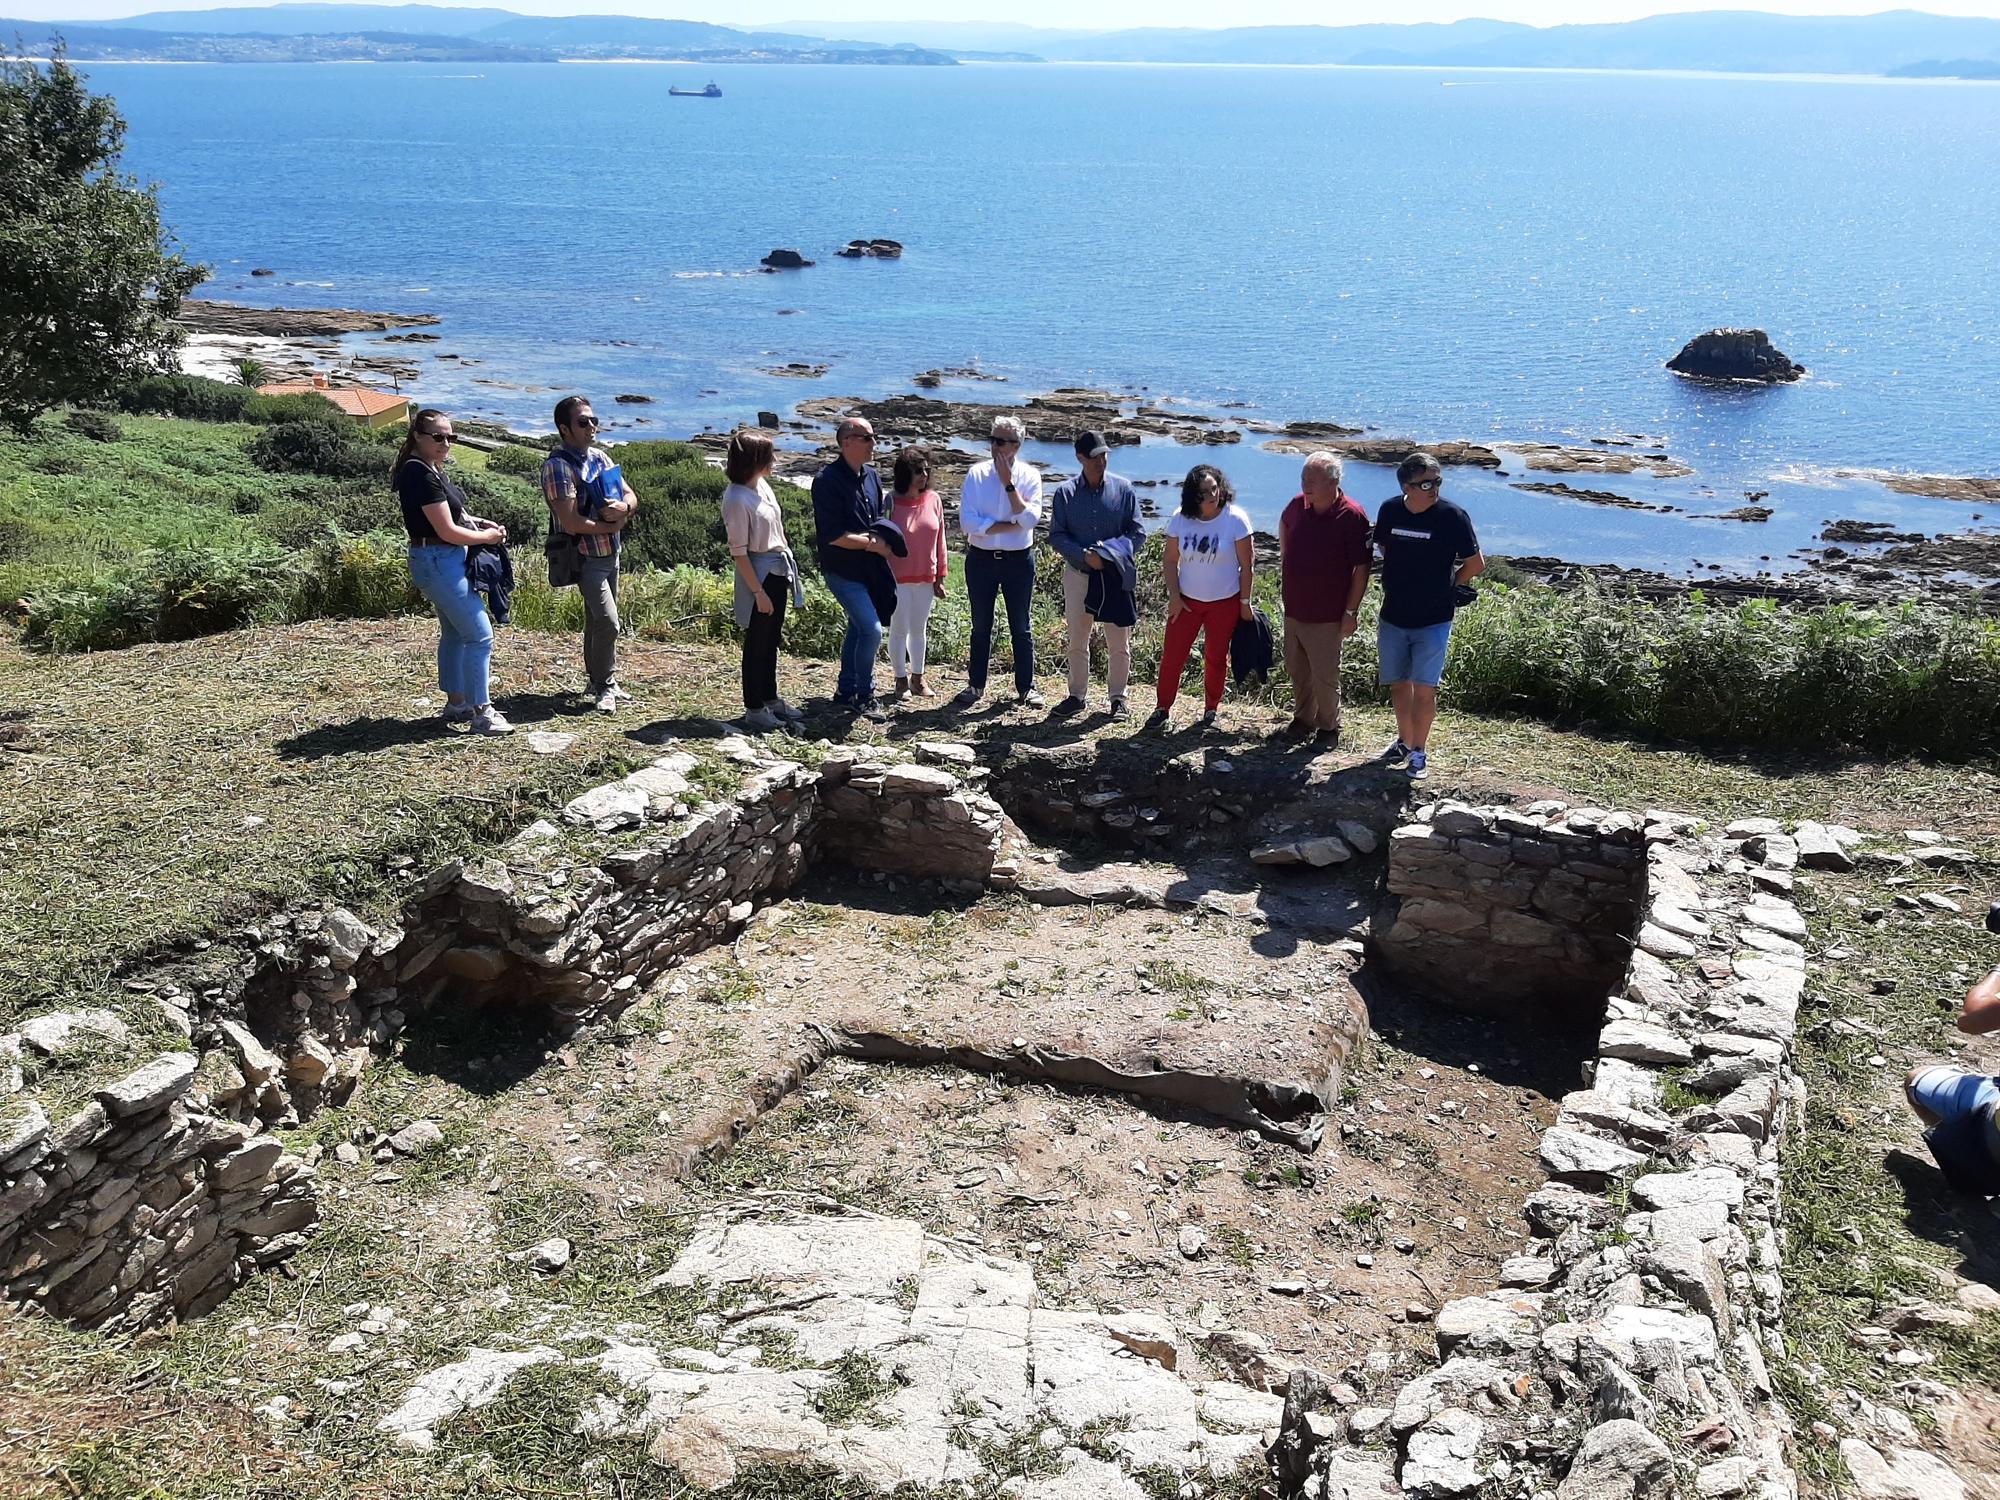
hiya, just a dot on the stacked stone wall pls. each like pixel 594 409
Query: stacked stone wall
pixel 135 1209
pixel 1627 1352
pixel 1513 913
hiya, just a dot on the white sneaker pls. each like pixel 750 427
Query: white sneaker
pixel 457 713
pixel 619 693
pixel 762 720
pixel 607 701
pixel 490 720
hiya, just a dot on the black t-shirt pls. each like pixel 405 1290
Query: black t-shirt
pixel 418 485
pixel 1419 555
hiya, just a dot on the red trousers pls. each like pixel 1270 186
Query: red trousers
pixel 1215 620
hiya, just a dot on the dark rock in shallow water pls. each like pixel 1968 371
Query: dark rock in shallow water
pixel 263 271
pixel 768 420
pixel 785 260
pixel 629 398
pixel 1735 354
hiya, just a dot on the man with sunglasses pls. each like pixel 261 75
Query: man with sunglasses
pixel 589 499
pixel 849 511
pixel 1429 551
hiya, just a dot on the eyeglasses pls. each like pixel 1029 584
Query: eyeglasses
pixel 583 422
pixel 1005 442
pixel 1425 484
pixel 439 437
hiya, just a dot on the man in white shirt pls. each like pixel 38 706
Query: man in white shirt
pixel 999 506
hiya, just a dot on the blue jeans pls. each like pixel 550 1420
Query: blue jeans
pixel 989 574
pixel 465 635
pixel 863 639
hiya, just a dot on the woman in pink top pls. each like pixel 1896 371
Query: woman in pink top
pixel 920 575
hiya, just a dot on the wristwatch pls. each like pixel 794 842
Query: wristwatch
pixel 1010 489
pixel 1350 614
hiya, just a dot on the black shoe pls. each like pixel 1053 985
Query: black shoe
pixel 1298 729
pixel 1327 739
pixel 1156 720
pixel 965 697
pixel 872 710
pixel 1119 712
pixel 1208 719
pixel 1069 706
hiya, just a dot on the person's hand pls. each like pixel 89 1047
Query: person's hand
pixel 1175 604
pixel 1348 625
pixel 1003 469
pixel 1094 562
pixel 1248 612
pixel 763 602
pixel 495 533
pixel 938 588
pixel 879 547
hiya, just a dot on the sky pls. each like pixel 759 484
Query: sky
pixel 1080 14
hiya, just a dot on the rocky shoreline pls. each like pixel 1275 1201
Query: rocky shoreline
pixel 1961 570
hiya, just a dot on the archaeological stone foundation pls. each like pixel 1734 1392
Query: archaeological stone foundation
pixel 1626 1353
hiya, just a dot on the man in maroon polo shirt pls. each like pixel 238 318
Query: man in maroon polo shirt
pixel 1323 566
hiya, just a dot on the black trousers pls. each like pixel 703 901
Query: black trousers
pixel 760 644
pixel 988 576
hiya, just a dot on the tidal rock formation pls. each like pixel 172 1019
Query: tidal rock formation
pixel 878 249
pixel 785 260
pixel 1735 354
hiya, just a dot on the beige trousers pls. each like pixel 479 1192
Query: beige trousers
pixel 1312 660
pixel 1117 640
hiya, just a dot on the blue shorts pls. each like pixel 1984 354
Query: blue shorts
pixel 1412 655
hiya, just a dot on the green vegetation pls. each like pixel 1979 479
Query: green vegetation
pixel 89 283
pixel 233 509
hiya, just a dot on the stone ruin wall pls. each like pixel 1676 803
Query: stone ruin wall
pixel 138 1208
pixel 1515 913
pixel 1627 1352
pixel 155 1200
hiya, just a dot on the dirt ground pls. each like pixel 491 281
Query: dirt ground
pixel 1413 1197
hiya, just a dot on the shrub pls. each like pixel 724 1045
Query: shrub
pixel 679 520
pixel 98 426
pixel 188 396
pixel 267 411
pixel 358 577
pixel 512 502
pixel 522 463
pixel 170 594
pixel 313 447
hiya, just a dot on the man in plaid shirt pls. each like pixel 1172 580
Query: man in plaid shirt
pixel 571 480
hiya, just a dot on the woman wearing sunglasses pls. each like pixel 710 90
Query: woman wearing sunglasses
pixel 440 530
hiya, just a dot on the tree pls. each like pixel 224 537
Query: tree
pixel 89 283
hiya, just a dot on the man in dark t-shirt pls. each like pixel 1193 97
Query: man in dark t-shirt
pixel 1428 550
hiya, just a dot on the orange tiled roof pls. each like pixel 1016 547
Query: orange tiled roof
pixel 355 400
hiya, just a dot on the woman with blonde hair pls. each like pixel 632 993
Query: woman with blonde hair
pixel 767 574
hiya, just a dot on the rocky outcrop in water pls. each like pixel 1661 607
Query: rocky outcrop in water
pixel 1735 354
pixel 785 260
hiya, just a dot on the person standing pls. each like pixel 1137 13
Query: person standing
pixel 920 573
pixel 1323 572
pixel 854 561
pixel 439 530
pixel 1089 516
pixel 1208 573
pixel 1429 551
pixel 767 575
pixel 999 507
pixel 589 499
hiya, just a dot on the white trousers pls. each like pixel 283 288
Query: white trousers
pixel 907 629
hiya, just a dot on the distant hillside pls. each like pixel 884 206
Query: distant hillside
pixel 87 43
pixel 1909 43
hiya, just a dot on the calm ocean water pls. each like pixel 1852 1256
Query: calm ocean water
pixel 1438 254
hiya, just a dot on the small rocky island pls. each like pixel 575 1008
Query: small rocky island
pixel 1735 354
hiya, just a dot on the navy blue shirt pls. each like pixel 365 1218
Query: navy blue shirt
pixel 1080 517
pixel 1420 553
pixel 845 502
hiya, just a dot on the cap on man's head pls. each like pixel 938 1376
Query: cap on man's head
pixel 1090 444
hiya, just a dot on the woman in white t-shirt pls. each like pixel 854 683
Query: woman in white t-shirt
pixel 1208 569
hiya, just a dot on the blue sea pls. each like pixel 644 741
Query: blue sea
pixel 1435 254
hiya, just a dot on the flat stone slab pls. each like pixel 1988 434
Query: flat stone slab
pixel 948 1336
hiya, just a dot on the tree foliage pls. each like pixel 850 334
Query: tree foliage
pixel 89 284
